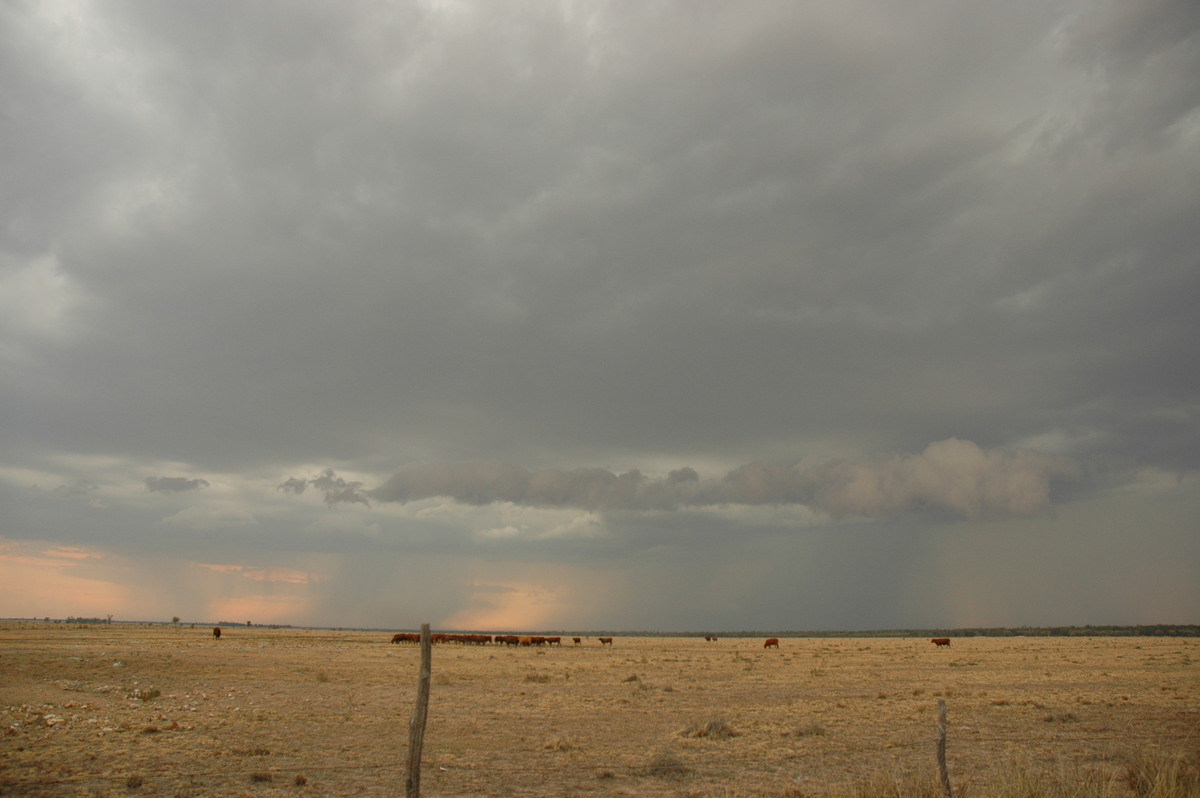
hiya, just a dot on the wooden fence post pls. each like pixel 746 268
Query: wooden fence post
pixel 416 724
pixel 941 749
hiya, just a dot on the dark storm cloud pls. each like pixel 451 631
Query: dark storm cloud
pixel 333 488
pixel 174 484
pixel 767 240
pixel 689 220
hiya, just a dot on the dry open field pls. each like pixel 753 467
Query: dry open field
pixel 161 710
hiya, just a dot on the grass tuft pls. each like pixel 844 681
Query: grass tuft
pixel 809 730
pixel 715 728
pixel 666 765
pixel 1155 774
pixel 1061 717
pixel 564 742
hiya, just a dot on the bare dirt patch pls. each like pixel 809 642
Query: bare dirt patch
pixel 167 710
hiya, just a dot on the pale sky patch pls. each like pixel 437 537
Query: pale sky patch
pixel 211 518
pixel 260 574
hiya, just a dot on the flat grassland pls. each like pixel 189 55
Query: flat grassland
pixel 168 710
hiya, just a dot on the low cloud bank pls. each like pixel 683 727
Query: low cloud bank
pixel 952 475
pixel 174 484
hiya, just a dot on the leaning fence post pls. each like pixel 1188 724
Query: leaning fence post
pixel 941 749
pixel 416 724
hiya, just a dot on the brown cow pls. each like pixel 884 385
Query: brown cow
pixel 576 640
pixel 940 641
pixel 554 641
pixel 771 642
pixel 606 641
pixel 216 633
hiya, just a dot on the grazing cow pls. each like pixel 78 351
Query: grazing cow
pixel 941 641
pixel 554 641
pixel 525 641
pixel 711 638
pixel 606 641
pixel 576 640
pixel 771 642
pixel 216 633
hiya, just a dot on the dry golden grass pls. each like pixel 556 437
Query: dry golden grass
pixel 313 713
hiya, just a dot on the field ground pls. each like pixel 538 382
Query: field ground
pixel 167 710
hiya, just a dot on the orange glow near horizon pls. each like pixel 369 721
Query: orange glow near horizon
pixel 260 609
pixel 36 582
pixel 508 605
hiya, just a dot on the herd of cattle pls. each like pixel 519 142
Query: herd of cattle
pixel 500 640
pixel 536 640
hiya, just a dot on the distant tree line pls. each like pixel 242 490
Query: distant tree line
pixel 1142 630
pixel 1146 630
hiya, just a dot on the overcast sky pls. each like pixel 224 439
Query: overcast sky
pixel 680 316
